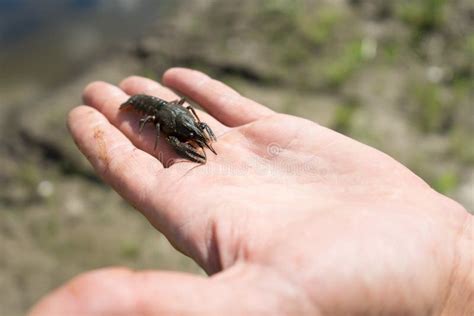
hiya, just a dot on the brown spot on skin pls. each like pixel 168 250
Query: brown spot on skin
pixel 102 147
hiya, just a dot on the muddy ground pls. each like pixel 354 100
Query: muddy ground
pixel 395 75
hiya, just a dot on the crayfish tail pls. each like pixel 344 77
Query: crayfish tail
pixel 124 105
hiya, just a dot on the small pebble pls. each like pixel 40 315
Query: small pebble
pixel 45 188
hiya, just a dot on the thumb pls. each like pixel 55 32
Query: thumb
pixel 119 291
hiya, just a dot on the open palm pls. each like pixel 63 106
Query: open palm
pixel 289 218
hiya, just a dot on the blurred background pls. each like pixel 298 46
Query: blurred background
pixel 397 75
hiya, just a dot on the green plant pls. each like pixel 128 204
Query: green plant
pixel 342 67
pixel 432 113
pixel 461 146
pixel 344 115
pixel 29 174
pixel 390 51
pixel 150 73
pixel 129 250
pixel 317 26
pixel 296 28
pixel 469 45
pixel 422 15
pixel 446 182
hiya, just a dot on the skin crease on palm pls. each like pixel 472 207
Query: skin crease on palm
pixel 290 218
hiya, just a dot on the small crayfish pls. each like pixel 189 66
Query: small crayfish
pixel 182 127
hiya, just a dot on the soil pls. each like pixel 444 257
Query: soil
pixel 397 76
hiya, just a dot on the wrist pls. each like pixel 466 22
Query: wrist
pixel 459 300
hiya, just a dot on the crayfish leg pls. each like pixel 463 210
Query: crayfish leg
pixel 204 127
pixel 193 111
pixel 178 102
pixel 157 126
pixel 145 120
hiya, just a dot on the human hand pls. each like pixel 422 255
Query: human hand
pixel 290 218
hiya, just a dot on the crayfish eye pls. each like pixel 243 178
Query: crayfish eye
pixel 191 134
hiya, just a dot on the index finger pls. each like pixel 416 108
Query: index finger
pixel 221 101
pixel 129 170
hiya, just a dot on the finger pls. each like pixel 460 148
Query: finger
pixel 221 101
pixel 134 174
pixel 136 85
pixel 118 291
pixel 107 98
pixel 166 210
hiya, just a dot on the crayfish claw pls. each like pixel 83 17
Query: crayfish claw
pixel 186 150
